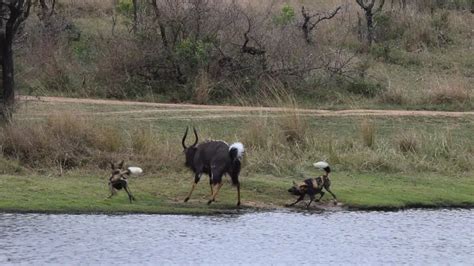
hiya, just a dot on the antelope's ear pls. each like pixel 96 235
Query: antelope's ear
pixel 120 166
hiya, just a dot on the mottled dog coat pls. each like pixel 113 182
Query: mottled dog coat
pixel 312 187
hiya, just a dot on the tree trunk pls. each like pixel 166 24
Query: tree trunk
pixel 135 16
pixel 370 26
pixel 8 82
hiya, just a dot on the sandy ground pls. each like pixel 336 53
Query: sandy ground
pixel 236 111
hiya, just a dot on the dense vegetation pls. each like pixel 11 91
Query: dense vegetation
pixel 207 51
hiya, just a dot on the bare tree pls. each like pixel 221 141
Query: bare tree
pixel 135 16
pixel 402 4
pixel 47 8
pixel 368 7
pixel 245 47
pixel 12 14
pixel 309 25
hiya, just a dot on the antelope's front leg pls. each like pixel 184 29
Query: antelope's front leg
pixel 197 177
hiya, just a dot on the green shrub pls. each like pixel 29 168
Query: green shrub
pixel 389 26
pixel 364 87
pixel 286 15
pixel 195 52
pixel 394 55
pixel 125 7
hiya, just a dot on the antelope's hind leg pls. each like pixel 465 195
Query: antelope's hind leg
pixel 216 183
pixel 238 194
pixel 210 185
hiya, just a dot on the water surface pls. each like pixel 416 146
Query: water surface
pixel 406 237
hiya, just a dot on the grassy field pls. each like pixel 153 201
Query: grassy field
pixel 164 193
pixel 379 162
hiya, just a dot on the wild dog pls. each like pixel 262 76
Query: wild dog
pixel 215 158
pixel 313 186
pixel 119 179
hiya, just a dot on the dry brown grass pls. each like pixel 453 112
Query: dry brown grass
pixel 202 88
pixel 87 5
pixel 393 96
pixel 367 131
pixel 66 141
pixel 449 91
pixel 408 141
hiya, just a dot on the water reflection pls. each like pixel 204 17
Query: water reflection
pixel 408 237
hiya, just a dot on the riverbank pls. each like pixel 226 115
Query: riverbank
pixel 164 194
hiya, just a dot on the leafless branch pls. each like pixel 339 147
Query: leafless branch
pixel 309 25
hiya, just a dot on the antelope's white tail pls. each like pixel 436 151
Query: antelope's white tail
pixel 135 170
pixel 239 147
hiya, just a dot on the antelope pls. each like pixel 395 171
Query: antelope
pixel 215 158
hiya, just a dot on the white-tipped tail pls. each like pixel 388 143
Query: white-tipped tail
pixel 321 165
pixel 135 170
pixel 240 149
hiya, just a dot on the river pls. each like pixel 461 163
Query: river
pixel 405 237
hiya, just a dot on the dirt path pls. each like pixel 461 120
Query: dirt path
pixel 171 107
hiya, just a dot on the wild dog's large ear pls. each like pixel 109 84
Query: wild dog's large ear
pixel 112 165
pixel 294 183
pixel 120 166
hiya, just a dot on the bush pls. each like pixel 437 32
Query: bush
pixel 125 7
pixel 408 142
pixel 364 87
pixel 367 131
pixel 63 140
pixel 286 15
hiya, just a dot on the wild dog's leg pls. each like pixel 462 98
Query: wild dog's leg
pixel 327 186
pixel 197 177
pixel 298 200
pixel 311 196
pixel 333 195
pixel 322 194
pixel 130 196
pixel 112 190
